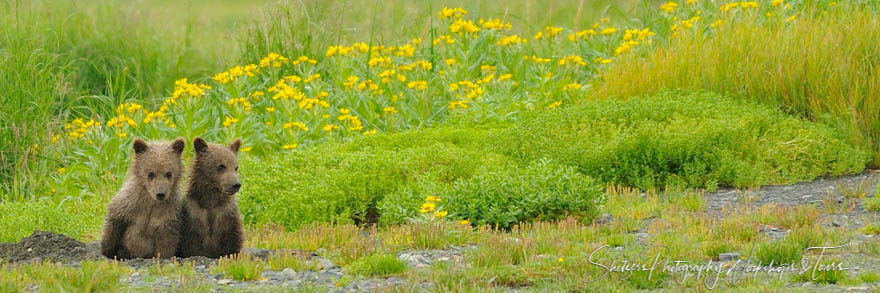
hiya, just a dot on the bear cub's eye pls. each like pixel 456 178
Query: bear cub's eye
pixel 151 175
pixel 168 175
pixel 221 167
pixel 236 168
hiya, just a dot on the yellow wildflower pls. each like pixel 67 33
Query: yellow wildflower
pixel 229 121
pixel 447 12
pixel 669 7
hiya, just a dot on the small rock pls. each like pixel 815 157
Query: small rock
pixel 289 272
pixel 857 289
pixel 224 282
pixel 835 224
pixel 326 264
pixel 415 260
pixel 728 256
pixel 604 219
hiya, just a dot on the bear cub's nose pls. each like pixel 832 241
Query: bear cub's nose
pixel 236 187
pixel 160 196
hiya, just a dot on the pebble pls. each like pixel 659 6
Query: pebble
pixel 224 282
pixel 729 256
pixel 326 264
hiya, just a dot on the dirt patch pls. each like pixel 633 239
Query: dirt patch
pixel 44 245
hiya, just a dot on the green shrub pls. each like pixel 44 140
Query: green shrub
pixel 328 184
pixel 379 265
pixel 506 196
pixel 692 140
pixel 493 174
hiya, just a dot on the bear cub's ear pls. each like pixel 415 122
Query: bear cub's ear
pixel 235 145
pixel 177 145
pixel 200 145
pixel 139 146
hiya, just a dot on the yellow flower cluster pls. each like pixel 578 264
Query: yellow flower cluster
pixel 240 101
pixel 430 205
pixel 78 127
pixel 462 104
pixel 447 12
pixel 549 32
pixel 581 34
pixel 229 121
pixel 297 124
pixel 510 40
pixel 669 7
pixel 181 87
pixel 463 27
pixel 572 60
pixel 572 86
pixel 495 24
pixel 418 85
pixel 744 4
pixel 354 122
pixel 273 59
pixel 235 72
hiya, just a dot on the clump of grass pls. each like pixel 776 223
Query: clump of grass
pixel 646 280
pixel 788 216
pixel 181 271
pixel 826 272
pixel 298 261
pixel 869 277
pixel 500 248
pixel 871 228
pixel 239 267
pixel 738 229
pixel 872 204
pixel 378 265
pixel 427 235
pixel 780 252
pixel 90 276
pixel 869 247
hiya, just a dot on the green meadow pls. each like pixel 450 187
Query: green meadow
pixel 434 124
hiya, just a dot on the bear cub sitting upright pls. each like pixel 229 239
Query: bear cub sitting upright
pixel 211 225
pixel 143 218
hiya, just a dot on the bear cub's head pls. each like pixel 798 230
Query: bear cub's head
pixel 217 165
pixel 158 166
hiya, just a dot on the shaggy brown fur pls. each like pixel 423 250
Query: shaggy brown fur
pixel 143 218
pixel 211 222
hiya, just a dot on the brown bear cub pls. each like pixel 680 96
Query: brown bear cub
pixel 211 225
pixel 143 218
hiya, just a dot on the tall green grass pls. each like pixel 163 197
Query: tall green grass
pixel 80 59
pixel 823 64
pixel 309 26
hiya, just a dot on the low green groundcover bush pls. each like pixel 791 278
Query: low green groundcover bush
pixel 502 197
pixel 540 167
pixel 699 140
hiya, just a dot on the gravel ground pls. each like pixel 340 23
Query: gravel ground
pixel 823 192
